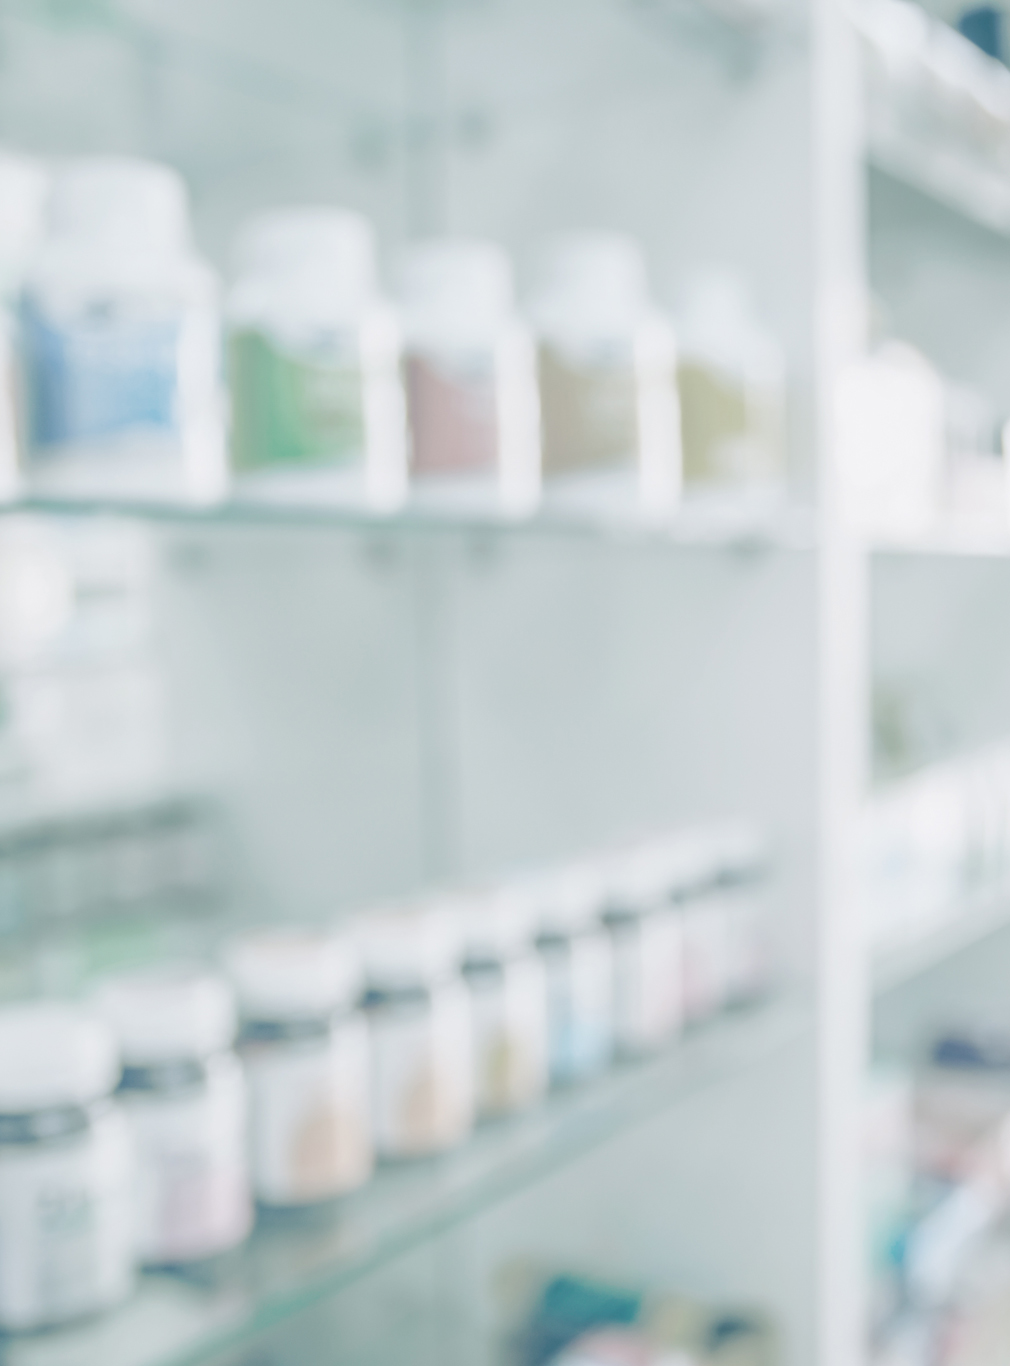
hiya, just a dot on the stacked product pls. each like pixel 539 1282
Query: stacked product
pixel 314 358
pixel 183 1095
pixel 119 328
pixel 608 376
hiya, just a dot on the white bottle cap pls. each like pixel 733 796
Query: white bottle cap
pixel 168 1015
pixel 562 902
pixel 288 974
pixel 335 244
pixel 457 278
pixel 415 945
pixel 599 274
pixel 54 1055
pixel 660 868
pixel 121 202
pixel 492 923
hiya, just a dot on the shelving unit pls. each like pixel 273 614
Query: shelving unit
pixel 296 1259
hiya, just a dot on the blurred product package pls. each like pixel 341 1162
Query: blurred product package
pixel 304 1044
pixel 421 1030
pixel 732 393
pixel 314 355
pixel 24 189
pixel 184 1094
pixel 890 442
pixel 66 1169
pixel 571 1319
pixel 507 981
pixel 608 378
pixel 471 376
pixel 119 340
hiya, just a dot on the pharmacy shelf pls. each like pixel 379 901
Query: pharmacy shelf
pixel 717 526
pixel 930 941
pixel 293 1261
pixel 974 188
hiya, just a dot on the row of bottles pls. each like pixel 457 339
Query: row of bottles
pixel 116 376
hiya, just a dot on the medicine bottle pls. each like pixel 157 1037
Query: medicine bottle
pixel 184 1094
pixel 647 937
pixel 421 1030
pixel 508 991
pixel 65 1168
pixel 119 340
pixel 741 888
pixel 305 1047
pixel 314 360
pixel 608 385
pixel 578 957
pixel 471 376
pixel 732 393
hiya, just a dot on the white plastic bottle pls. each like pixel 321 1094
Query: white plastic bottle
pixel 471 376
pixel 421 1031
pixel 608 388
pixel 732 393
pixel 66 1245
pixel 119 340
pixel 508 992
pixel 305 1048
pixel 578 956
pixel 314 359
pixel 24 186
pixel 184 1094
pixel 647 937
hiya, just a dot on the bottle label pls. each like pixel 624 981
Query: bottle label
pixel 588 411
pixel 453 413
pixel 510 1037
pixel 296 406
pixel 580 1007
pixel 100 375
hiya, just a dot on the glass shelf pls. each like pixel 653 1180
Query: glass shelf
pixel 939 936
pixel 294 1260
pixel 977 190
pixel 722 526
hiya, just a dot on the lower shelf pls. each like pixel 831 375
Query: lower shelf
pixel 293 1260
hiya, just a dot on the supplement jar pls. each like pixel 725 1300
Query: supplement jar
pixel 120 340
pixel 184 1094
pixel 732 393
pixel 314 361
pixel 508 992
pixel 608 376
pixel 742 862
pixel 66 1245
pixel 421 1029
pixel 578 956
pixel 471 375
pixel 647 940
pixel 305 1048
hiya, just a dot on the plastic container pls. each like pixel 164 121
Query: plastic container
pixel 578 956
pixel 743 871
pixel 314 359
pixel 421 1029
pixel 508 989
pixel 471 375
pixel 305 1048
pixel 24 186
pixel 119 339
pixel 889 439
pixel 732 393
pixel 65 1169
pixel 184 1094
pixel 647 937
pixel 608 388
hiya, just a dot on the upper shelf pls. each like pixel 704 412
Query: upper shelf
pixel 727 526
pixel 939 111
pixel 295 1260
